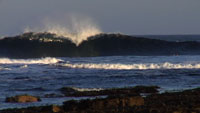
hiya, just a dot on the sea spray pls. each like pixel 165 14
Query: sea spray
pixel 77 30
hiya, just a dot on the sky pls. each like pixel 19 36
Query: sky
pixel 125 16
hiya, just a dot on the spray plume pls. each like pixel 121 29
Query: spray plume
pixel 76 30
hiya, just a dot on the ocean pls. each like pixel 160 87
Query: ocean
pixel 47 73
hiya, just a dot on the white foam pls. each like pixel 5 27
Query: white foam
pixel 46 60
pixel 86 89
pixel 2 68
pixel 144 66
pixel 24 66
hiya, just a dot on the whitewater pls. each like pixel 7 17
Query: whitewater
pixel 106 66
pixel 165 65
pixel 47 60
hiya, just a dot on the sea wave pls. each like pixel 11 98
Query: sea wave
pixel 47 60
pixel 144 66
pixel 37 45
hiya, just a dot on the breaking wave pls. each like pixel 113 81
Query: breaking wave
pixel 38 45
pixel 29 61
pixel 77 31
pixel 165 65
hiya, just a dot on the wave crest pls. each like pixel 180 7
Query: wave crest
pixel 77 31
pixel 165 65
pixel 37 45
pixel 47 60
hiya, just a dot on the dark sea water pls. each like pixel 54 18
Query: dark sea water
pixel 176 38
pixel 47 75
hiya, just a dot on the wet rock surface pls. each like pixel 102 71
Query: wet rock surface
pixel 107 104
pixel 187 101
pixel 72 92
pixel 22 99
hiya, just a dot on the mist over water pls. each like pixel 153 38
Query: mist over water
pixel 76 28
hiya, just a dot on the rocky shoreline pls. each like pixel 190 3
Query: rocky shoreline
pixel 138 99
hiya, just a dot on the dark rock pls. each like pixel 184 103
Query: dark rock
pixel 22 99
pixel 68 91
pixel 41 109
pixel 174 102
pixel 52 95
pixel 56 109
pixel 104 104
